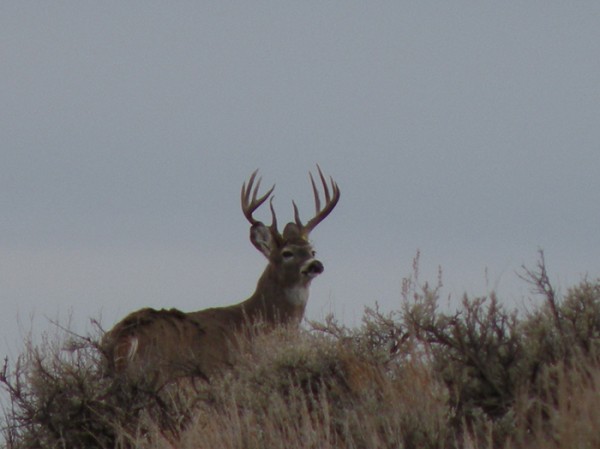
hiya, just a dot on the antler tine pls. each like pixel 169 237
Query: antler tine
pixel 315 193
pixel 297 215
pixel 274 221
pixel 331 199
pixel 246 191
pixel 251 201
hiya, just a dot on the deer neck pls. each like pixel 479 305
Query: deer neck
pixel 275 301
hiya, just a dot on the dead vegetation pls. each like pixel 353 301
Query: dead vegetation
pixel 479 377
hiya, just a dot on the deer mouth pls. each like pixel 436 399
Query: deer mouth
pixel 312 269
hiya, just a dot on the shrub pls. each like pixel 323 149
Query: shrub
pixel 60 398
pixel 479 377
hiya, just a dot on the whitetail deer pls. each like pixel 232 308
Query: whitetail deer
pixel 163 345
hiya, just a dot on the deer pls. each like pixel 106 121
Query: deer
pixel 161 346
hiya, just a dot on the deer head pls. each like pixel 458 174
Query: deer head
pixel 292 263
pixel 290 251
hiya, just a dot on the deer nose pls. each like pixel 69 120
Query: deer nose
pixel 315 267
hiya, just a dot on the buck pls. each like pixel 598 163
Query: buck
pixel 160 346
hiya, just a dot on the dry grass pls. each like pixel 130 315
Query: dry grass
pixel 480 378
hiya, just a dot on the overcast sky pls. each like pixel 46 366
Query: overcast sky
pixel 467 130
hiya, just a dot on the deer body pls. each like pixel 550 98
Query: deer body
pixel 163 345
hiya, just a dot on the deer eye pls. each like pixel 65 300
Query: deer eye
pixel 287 254
pixel 314 253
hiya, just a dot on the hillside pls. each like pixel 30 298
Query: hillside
pixel 479 377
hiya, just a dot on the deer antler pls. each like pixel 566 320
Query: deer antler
pixel 251 201
pixel 331 199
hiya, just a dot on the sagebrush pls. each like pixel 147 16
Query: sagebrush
pixel 479 377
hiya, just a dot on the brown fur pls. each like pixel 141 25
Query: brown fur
pixel 165 344
pixel 158 346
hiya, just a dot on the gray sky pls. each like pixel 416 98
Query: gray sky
pixel 467 130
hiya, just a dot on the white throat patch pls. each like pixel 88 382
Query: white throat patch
pixel 297 295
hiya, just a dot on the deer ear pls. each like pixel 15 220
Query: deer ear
pixel 262 239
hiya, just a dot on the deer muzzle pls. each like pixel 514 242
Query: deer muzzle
pixel 312 268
